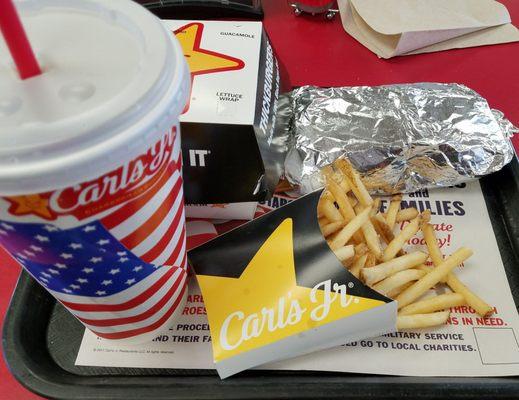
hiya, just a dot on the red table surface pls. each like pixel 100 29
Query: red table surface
pixel 318 52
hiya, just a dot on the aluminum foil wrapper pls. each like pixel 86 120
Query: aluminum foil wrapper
pixel 401 138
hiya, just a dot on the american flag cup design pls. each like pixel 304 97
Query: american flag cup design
pixel 111 250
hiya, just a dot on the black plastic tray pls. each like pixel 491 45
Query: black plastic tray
pixel 41 341
pixel 196 9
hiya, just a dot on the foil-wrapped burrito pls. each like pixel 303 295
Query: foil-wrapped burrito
pixel 401 138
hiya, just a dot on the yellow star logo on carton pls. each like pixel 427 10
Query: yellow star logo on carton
pixel 265 304
pixel 203 61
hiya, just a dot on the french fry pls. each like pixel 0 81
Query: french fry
pixel 327 171
pixel 331 238
pixel 343 183
pixel 392 211
pixel 382 271
pixel 328 210
pixel 356 184
pixel 332 227
pixel 432 278
pixel 395 292
pixel 482 308
pixel 370 261
pixel 406 214
pixel 358 265
pixel 382 228
pixel 372 240
pixel 421 320
pixel 425 268
pixel 376 206
pixel 370 236
pixel 348 263
pixel 345 207
pixel 397 280
pixel 473 300
pixel 363 196
pixel 323 221
pixel 361 249
pixel 432 244
pixel 327 195
pixel 426 216
pixel 401 239
pixel 353 201
pixel 344 204
pixel 433 304
pixel 345 253
pixel 353 226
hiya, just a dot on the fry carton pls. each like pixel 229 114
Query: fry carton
pixel 274 290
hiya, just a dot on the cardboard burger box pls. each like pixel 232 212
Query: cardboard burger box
pixel 232 140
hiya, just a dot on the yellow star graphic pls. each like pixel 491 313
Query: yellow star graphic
pixel 31 204
pixel 259 307
pixel 203 61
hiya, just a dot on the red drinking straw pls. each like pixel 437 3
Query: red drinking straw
pixel 17 42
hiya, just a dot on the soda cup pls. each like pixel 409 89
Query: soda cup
pixel 91 200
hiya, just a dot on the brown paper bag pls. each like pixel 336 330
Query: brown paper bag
pixel 400 27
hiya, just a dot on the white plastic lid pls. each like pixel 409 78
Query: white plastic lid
pixel 114 81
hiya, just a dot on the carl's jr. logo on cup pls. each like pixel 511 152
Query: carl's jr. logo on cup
pixel 88 199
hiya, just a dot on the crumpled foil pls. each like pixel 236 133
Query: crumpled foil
pixel 401 138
